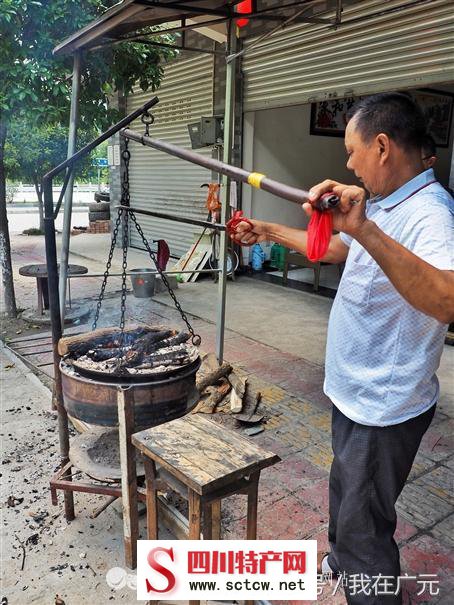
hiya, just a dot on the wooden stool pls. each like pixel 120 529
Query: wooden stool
pixel 204 462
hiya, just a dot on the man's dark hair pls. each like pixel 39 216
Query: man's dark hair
pixel 393 113
pixel 428 147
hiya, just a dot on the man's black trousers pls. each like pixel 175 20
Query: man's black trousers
pixel 369 470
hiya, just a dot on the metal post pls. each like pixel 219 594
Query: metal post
pixel 66 233
pixel 229 124
pixel 54 311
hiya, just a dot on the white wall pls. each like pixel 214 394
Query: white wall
pixel 277 143
pixel 283 149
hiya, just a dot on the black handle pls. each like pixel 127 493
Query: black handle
pixel 327 201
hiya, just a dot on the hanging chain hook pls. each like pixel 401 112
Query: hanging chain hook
pixel 147 120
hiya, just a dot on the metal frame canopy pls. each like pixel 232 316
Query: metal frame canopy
pixel 127 20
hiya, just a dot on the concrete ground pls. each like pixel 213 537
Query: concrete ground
pixel 274 335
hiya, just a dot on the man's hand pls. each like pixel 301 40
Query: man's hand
pixel 248 235
pixel 349 216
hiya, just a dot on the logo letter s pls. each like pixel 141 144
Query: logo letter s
pixel 153 563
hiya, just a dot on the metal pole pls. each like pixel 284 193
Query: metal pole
pixel 255 179
pixel 173 217
pixel 229 125
pixel 54 311
pixel 102 137
pixel 66 233
pixel 144 272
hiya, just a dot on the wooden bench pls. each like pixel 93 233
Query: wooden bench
pixel 204 462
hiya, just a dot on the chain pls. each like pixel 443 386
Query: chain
pixel 126 155
pixel 108 266
pixel 147 120
pixel 125 200
pixel 196 338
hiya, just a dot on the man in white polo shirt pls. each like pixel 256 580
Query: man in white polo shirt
pixel 386 329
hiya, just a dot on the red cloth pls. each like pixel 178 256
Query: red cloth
pixel 319 233
pixel 163 254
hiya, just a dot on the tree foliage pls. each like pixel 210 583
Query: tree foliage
pixel 37 82
pixel 45 147
pixel 36 85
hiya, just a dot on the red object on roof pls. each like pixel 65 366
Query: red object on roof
pixel 243 8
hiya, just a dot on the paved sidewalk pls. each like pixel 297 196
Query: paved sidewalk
pixel 276 336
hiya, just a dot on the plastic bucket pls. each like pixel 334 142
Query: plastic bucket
pixel 142 283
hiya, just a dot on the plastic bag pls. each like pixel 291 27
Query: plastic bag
pixel 319 233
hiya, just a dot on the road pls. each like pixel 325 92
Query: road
pixel 26 218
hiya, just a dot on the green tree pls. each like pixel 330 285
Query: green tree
pixel 36 86
pixel 45 147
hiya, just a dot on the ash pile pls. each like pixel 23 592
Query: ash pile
pixel 135 351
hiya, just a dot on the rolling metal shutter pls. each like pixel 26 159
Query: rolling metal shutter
pixel 405 47
pixel 159 181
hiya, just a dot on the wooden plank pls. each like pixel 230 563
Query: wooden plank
pixel 48 334
pixel 42 351
pixel 216 453
pixel 190 425
pixel 198 454
pixel 184 472
pixel 49 370
pixel 30 338
pixel 152 498
pixel 32 363
pixel 172 519
pixel 252 503
pixel 24 347
pixel 195 516
pixel 228 436
pixel 199 459
pixel 128 476
pixel 41 360
pixel 216 517
pixel 43 365
pixel 233 455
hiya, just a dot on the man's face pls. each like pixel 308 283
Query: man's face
pixel 363 158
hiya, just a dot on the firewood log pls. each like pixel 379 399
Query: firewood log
pixel 213 377
pixel 79 344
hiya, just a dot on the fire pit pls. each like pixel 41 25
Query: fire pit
pixel 155 362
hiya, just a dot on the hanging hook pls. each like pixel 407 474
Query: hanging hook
pixel 147 119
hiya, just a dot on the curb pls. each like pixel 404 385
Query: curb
pixel 29 375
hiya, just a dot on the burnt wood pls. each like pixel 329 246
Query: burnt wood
pixel 81 343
